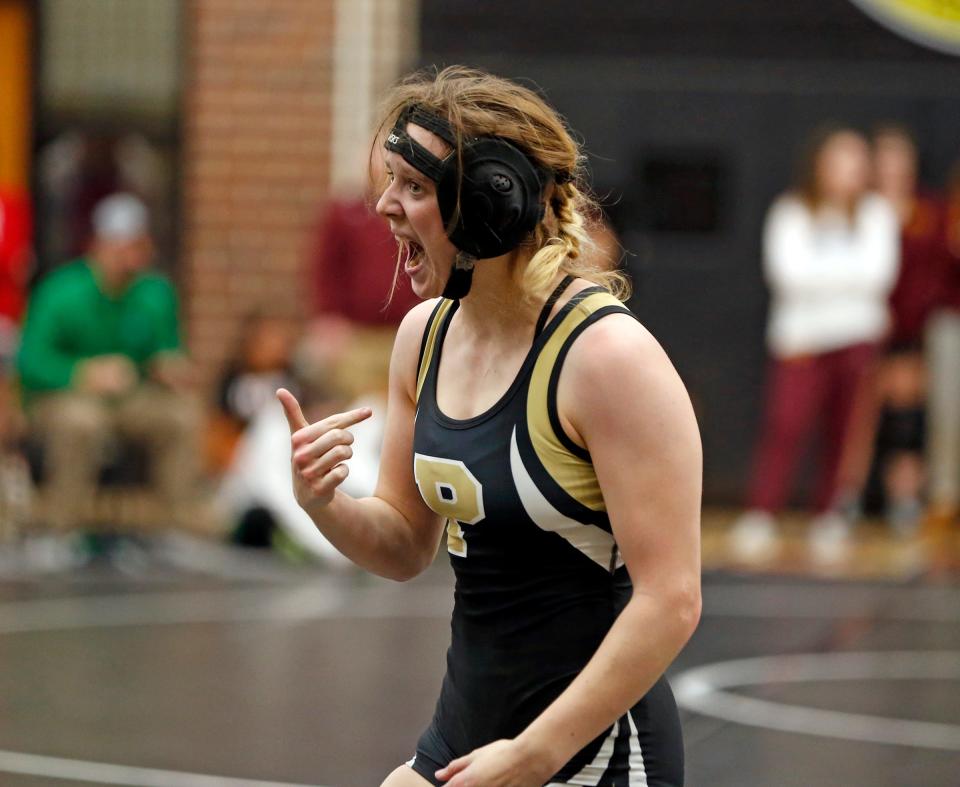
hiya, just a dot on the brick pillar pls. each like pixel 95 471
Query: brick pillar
pixel 263 84
pixel 256 160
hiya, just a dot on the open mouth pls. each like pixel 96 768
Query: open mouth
pixel 411 253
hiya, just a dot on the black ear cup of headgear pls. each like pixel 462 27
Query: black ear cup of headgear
pixel 500 198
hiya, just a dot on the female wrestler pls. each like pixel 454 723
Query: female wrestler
pixel 535 415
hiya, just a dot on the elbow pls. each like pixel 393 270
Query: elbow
pixel 410 568
pixel 677 609
pixel 402 573
pixel 685 607
pixel 690 610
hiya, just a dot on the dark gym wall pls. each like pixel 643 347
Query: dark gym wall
pixel 739 83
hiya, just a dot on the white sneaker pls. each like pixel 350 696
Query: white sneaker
pixel 753 537
pixel 829 538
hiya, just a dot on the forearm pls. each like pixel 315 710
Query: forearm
pixel 641 644
pixel 375 535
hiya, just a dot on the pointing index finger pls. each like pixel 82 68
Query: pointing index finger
pixel 348 419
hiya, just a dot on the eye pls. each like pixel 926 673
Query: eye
pixel 415 188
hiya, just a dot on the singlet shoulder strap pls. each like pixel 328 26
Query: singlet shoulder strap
pixel 551 301
pixel 580 312
pixel 428 344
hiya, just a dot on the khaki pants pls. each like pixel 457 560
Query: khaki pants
pixel 76 430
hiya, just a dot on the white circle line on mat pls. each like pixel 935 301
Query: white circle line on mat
pixel 129 776
pixel 704 690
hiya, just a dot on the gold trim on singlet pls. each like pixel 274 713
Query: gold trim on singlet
pixel 574 474
pixel 433 329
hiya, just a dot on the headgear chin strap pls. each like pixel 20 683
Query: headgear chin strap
pixel 461 277
pixel 489 204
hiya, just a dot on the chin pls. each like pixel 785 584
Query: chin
pixel 427 289
pixel 427 282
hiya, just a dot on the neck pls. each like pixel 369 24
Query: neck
pixel 495 307
pixel 110 282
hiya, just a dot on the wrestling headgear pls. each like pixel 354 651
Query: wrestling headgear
pixel 489 203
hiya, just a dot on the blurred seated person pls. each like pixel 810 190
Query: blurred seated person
pixel 260 364
pixel 358 298
pixel 101 359
pixel 255 445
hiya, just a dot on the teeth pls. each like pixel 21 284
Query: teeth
pixel 410 250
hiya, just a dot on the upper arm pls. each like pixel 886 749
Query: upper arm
pixel 41 362
pixel 645 447
pixel 396 484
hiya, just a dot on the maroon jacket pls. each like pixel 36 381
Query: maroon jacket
pixel 354 257
pixel 949 295
pixel 919 283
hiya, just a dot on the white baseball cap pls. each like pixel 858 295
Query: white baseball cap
pixel 120 216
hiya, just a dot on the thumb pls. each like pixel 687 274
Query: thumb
pixel 291 409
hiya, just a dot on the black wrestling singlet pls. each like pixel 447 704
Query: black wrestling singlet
pixel 539 576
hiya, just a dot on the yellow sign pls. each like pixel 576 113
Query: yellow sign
pixel 932 23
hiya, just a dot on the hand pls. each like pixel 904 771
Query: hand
pixel 107 375
pixel 172 370
pixel 319 451
pixel 503 763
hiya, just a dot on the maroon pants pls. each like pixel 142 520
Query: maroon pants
pixel 804 393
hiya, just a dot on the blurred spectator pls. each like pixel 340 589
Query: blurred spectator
pixel 830 257
pixel 260 365
pixel 77 169
pixel 255 490
pixel 256 487
pixel 893 404
pixel 101 358
pixel 943 359
pixel 359 299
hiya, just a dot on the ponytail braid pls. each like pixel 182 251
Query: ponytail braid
pixel 565 249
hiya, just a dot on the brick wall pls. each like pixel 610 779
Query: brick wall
pixel 256 160
pixel 277 96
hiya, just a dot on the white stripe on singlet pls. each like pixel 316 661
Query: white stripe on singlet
pixel 638 771
pixel 590 774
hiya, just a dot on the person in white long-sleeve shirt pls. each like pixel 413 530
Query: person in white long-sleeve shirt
pixel 831 254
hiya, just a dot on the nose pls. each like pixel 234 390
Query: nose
pixel 388 205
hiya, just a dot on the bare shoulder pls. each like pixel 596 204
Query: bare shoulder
pixel 415 321
pixel 406 346
pixel 617 341
pixel 616 376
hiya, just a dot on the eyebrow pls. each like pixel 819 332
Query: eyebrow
pixel 406 168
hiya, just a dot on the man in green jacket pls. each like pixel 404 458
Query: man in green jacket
pixel 101 358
